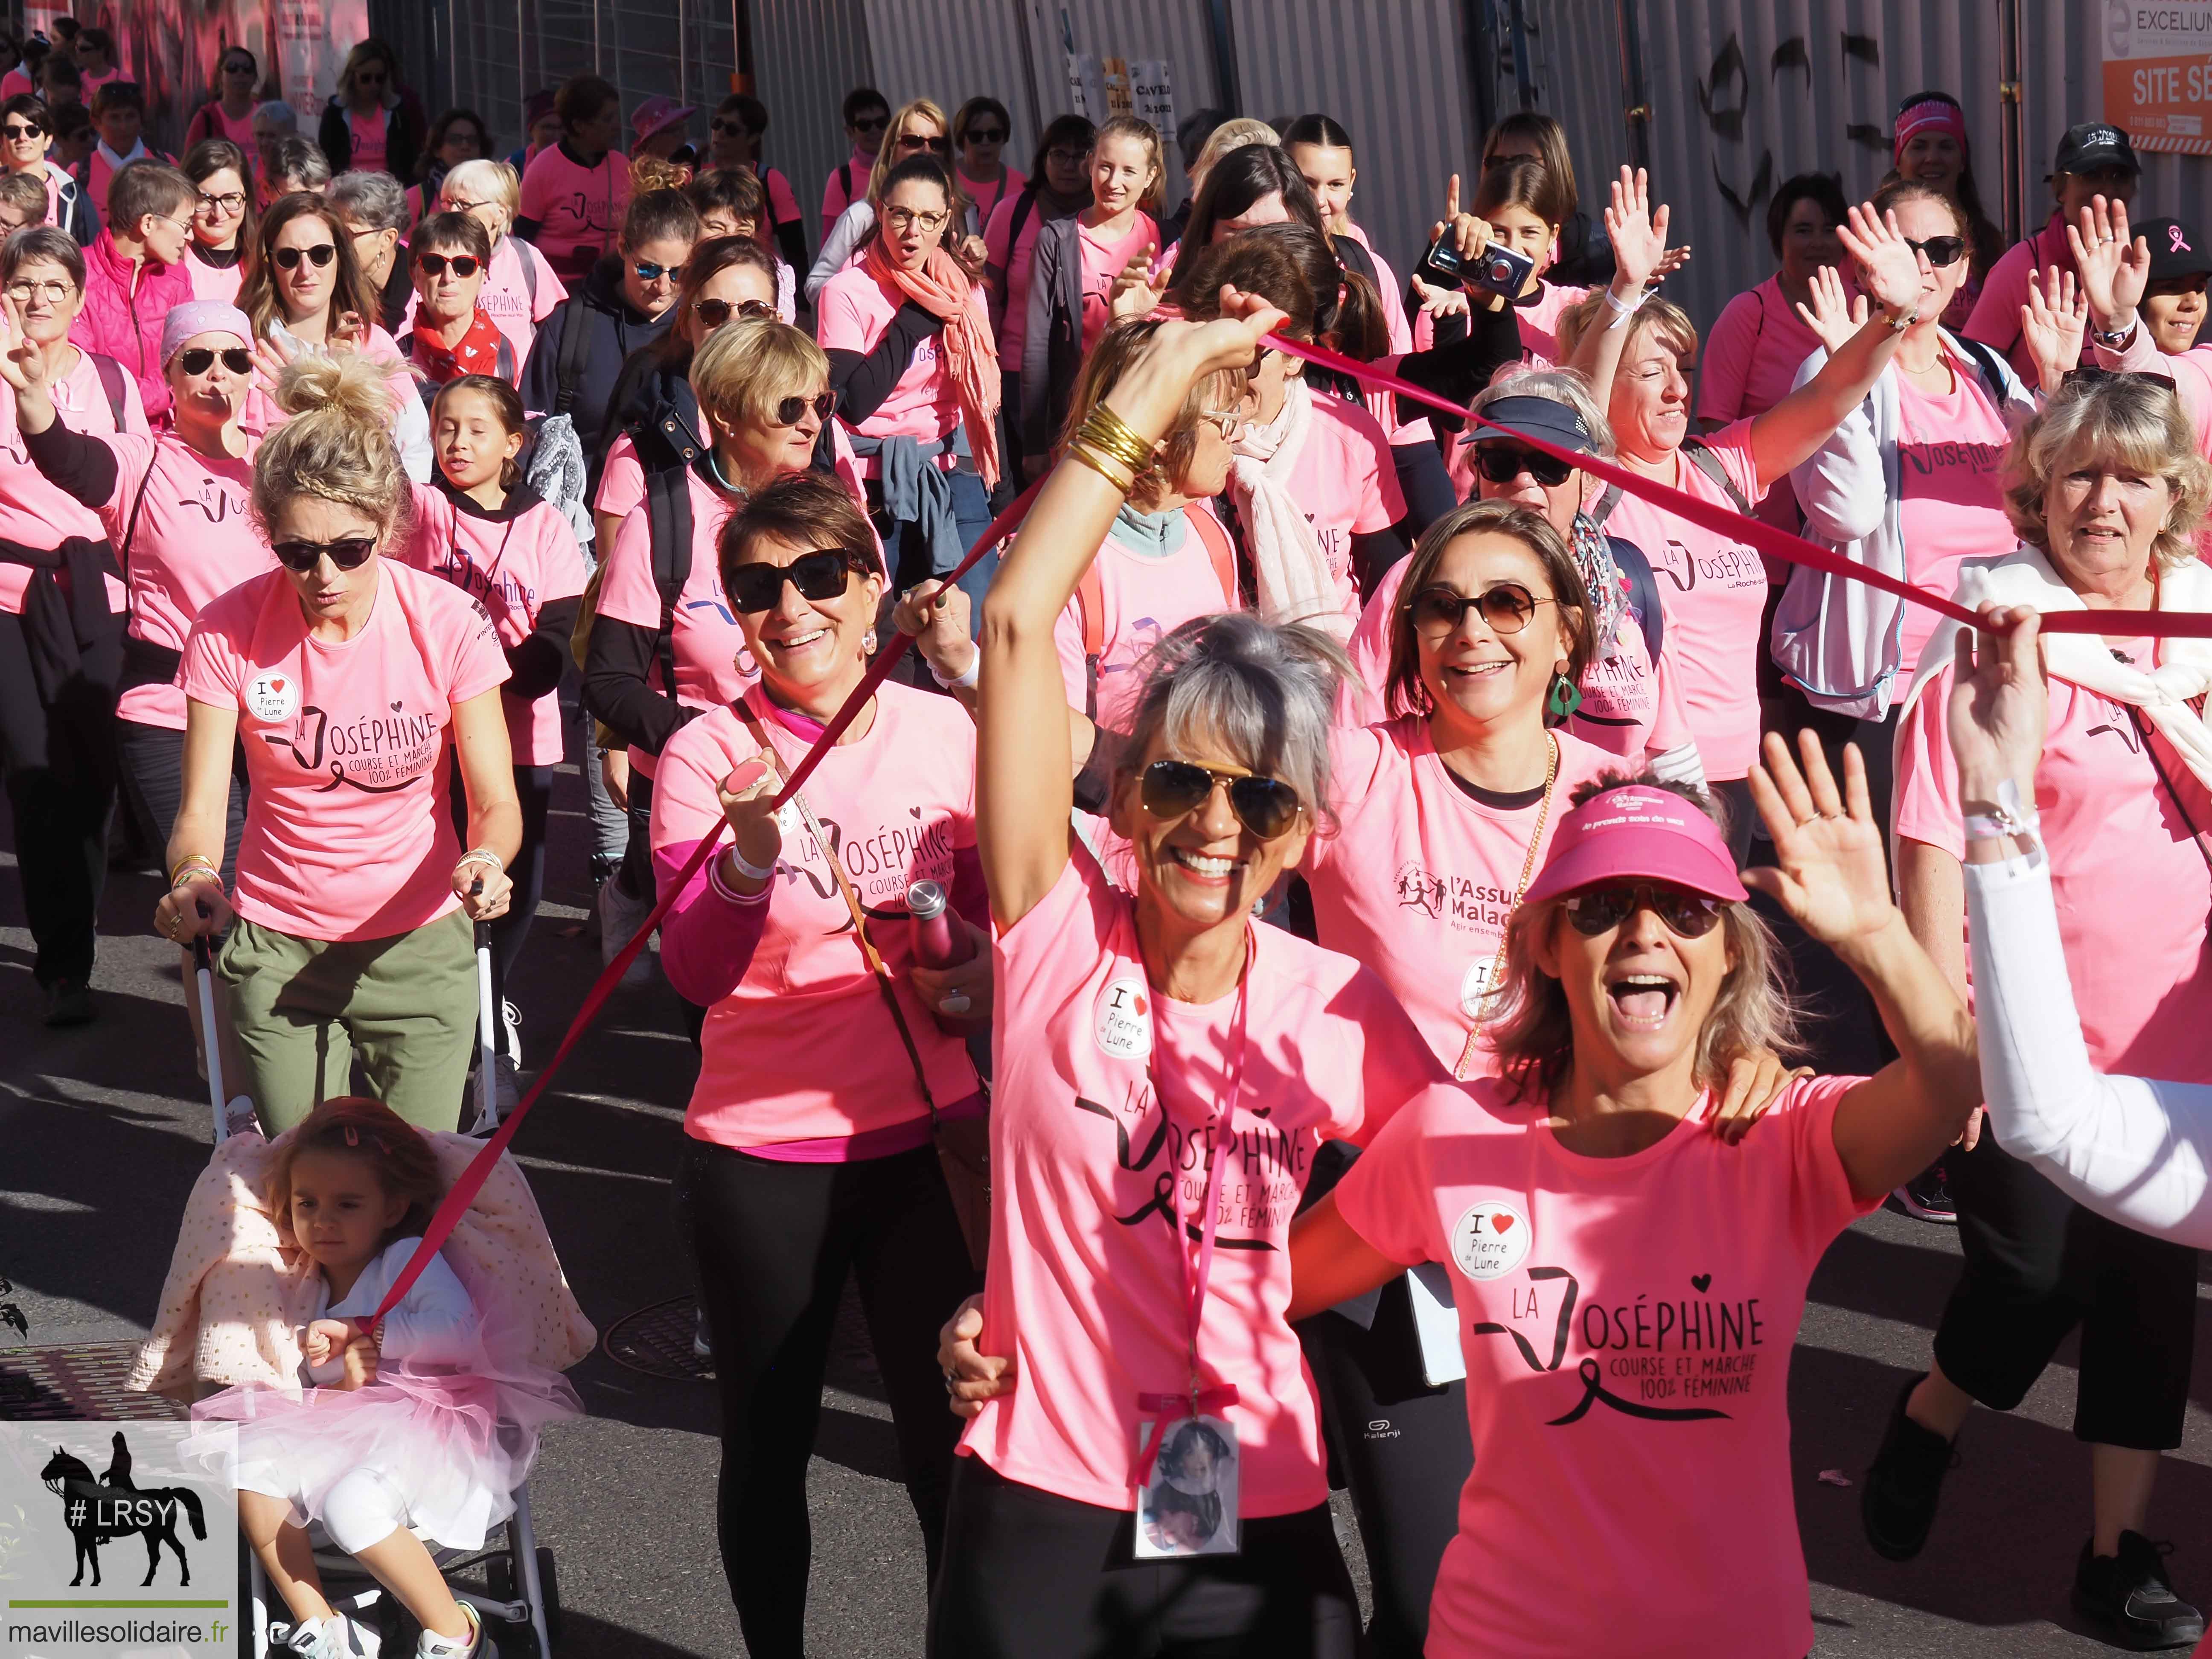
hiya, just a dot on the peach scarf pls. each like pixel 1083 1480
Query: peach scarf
pixel 941 288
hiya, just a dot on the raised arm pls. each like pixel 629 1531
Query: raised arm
pixel 1638 235
pixel 1025 783
pixel 1830 876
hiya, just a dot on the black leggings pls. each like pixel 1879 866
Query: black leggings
pixel 2038 1264
pixel 533 788
pixel 774 1243
pixel 59 760
pixel 1403 1448
pixel 1029 1573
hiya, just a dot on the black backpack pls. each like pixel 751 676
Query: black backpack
pixel 668 515
pixel 1701 457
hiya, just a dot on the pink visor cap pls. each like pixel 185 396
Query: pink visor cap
pixel 1637 832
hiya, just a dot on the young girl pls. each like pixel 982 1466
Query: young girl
pixel 1079 262
pixel 484 531
pixel 407 1430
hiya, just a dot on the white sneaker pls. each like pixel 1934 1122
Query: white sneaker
pixel 620 917
pixel 505 1085
pixel 445 1647
pixel 510 1033
pixel 323 1639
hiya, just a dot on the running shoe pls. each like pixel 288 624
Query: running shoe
pixel 1928 1196
pixel 69 1002
pixel 446 1647
pixel 320 1638
pixel 1897 1502
pixel 620 917
pixel 2130 1598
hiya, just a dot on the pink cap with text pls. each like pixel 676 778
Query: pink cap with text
pixel 1637 831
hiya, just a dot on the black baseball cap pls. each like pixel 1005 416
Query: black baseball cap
pixel 2176 249
pixel 2089 145
pixel 1547 418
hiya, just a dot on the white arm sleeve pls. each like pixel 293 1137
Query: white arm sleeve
pixel 2134 1151
pixel 845 236
pixel 436 1323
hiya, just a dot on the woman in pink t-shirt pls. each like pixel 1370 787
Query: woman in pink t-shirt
pixel 229 114
pixel 175 506
pixel 1059 187
pixel 520 291
pixel 223 221
pixel 1080 265
pixel 1640 353
pixel 808 1141
pixel 573 194
pixel 490 535
pixel 367 126
pixel 1753 351
pixel 2107 490
pixel 981 128
pixel 1629 1285
pixel 763 390
pixel 348 678
pixel 1166 1069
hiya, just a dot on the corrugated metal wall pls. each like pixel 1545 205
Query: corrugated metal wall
pixel 1172 29
pixel 1400 90
pixel 955 50
pixel 807 55
pixel 1745 92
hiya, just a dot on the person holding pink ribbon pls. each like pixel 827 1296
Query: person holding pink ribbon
pixel 1166 1069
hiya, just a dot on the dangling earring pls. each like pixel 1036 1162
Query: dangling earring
pixel 1565 698
pixel 868 641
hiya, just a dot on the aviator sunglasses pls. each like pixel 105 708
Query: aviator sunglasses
pixel 1507 608
pixel 350 553
pixel 1266 807
pixel 821 575
pixel 1686 914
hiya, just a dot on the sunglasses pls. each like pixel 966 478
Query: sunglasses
pixel 2087 375
pixel 288 259
pixel 197 359
pixel 986 135
pixel 821 575
pixel 1941 250
pixel 1503 463
pixel 872 123
pixel 463 264
pixel 17 131
pixel 1266 807
pixel 1600 909
pixel 732 129
pixel 940 146
pixel 649 272
pixel 301 557
pixel 787 412
pixel 1507 608
pixel 715 312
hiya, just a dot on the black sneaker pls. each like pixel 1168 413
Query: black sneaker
pixel 2130 1598
pixel 1927 1195
pixel 69 1002
pixel 1897 1502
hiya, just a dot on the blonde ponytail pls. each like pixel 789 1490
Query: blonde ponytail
pixel 337 445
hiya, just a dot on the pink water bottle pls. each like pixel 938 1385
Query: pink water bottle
pixel 936 943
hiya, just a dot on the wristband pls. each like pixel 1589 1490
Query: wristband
pixel 1079 451
pixel 195 861
pixel 1906 319
pixel 963 681
pixel 481 855
pixel 1622 310
pixel 1111 436
pixel 749 871
pixel 2012 819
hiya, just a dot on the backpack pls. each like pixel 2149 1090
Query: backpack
pixel 668 514
pixel 528 255
pixel 1700 455
pixel 1091 597
pixel 111 382
pixel 1024 204
pixel 1643 594
pixel 574 356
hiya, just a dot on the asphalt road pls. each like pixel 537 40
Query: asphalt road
pixel 104 1129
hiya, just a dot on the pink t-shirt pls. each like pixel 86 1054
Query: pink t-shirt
pixel 579 209
pixel 1592 1293
pixel 1714 587
pixel 1143 595
pixel 513 564
pixel 1994 320
pixel 1538 317
pixel 854 170
pixel 1347 485
pixel 622 479
pixel 1748 364
pixel 2129 879
pixel 211 120
pixel 16 84
pixel 1101 263
pixel 1018 262
pixel 713 663
pixel 506 297
pixel 854 311
pixel 1950 462
pixel 896 804
pixel 349 828
pixel 1109 1100
pixel 1383 406
pixel 369 133
pixel 194 542
pixel 1419 876
pixel 1629 708
pixel 987 196
pixel 38 513
pixel 219 283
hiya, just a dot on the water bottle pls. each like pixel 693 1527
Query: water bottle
pixel 936 944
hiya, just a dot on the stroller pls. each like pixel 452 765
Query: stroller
pixel 233 1300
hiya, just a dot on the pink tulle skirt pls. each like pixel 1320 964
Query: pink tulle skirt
pixel 455 1445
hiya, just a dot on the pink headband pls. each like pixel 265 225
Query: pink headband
pixel 1930 115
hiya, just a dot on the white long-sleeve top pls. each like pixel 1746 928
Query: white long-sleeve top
pixel 436 1323
pixel 2133 1150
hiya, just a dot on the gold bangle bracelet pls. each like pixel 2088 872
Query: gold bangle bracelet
pixel 1081 452
pixel 1112 435
pixel 194 861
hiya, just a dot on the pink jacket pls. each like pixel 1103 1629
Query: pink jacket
pixel 124 311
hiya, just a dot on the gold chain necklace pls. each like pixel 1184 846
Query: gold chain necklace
pixel 1488 987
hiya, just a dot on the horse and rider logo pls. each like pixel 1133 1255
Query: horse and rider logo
pixel 98 1509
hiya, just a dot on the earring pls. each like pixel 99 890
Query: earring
pixel 868 641
pixel 1565 698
